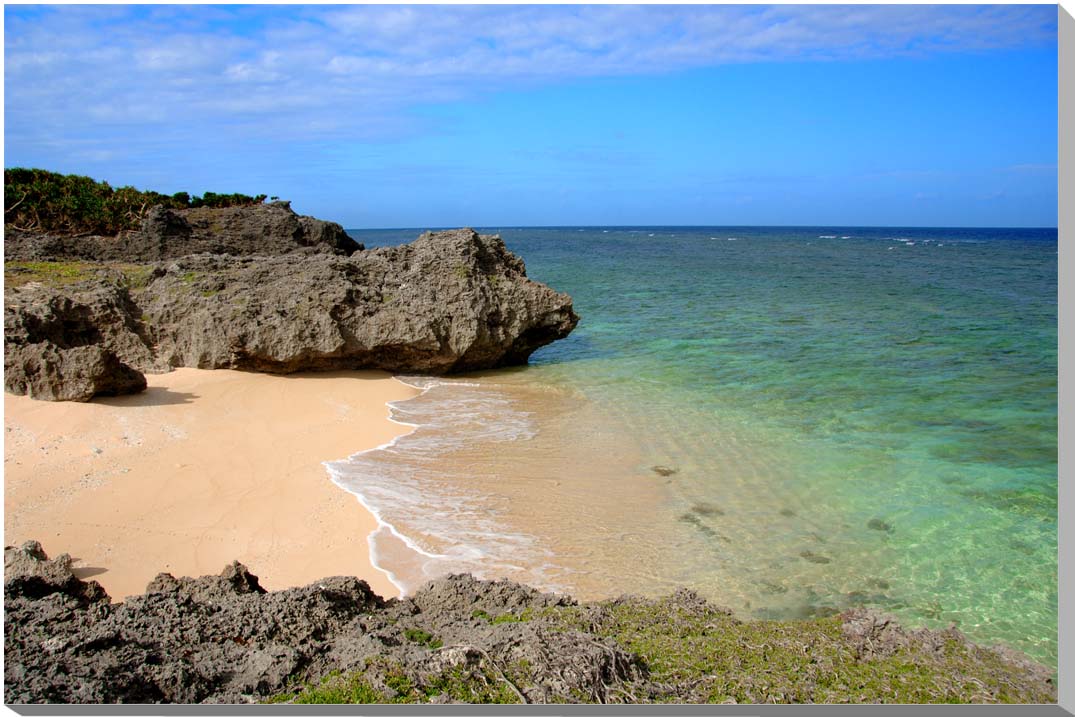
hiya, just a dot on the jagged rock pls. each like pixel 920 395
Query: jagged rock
pixel 170 233
pixel 30 574
pixel 465 593
pixel 247 230
pixel 224 639
pixel 48 373
pixel 450 301
pixel 66 346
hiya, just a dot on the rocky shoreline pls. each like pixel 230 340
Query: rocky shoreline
pixel 224 639
pixel 280 293
pixel 259 288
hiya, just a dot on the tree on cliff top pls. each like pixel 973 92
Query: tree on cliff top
pixel 39 200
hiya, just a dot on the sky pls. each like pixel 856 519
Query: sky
pixel 450 115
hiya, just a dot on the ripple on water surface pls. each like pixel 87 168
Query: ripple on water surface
pixel 832 424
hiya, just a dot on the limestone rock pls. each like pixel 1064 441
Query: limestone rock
pixel 222 638
pixel 29 573
pixel 448 302
pixel 170 233
pixel 67 346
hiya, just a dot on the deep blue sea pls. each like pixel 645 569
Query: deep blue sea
pixel 790 421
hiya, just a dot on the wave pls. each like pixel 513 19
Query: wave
pixel 429 523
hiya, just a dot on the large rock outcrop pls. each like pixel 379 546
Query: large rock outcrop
pixel 449 301
pixel 255 229
pixel 67 346
pixel 225 639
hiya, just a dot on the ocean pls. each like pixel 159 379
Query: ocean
pixel 789 421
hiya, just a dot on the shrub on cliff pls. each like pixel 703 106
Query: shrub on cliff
pixel 39 200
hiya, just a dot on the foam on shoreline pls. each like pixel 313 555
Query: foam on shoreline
pixel 427 524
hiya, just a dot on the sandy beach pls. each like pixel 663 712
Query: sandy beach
pixel 202 468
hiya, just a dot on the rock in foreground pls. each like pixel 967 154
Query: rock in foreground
pixel 224 639
pixel 448 302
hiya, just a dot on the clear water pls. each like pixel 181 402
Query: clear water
pixel 853 417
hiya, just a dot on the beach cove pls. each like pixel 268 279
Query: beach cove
pixel 203 468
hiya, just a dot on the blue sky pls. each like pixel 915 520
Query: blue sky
pixel 397 116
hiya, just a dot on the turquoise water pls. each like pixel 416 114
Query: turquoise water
pixel 853 416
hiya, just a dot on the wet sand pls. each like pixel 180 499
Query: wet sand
pixel 202 468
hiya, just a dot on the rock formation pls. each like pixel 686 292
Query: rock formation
pixel 256 229
pixel 225 639
pixel 67 347
pixel 448 302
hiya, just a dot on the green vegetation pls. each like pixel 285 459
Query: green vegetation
pixel 524 616
pixel 387 683
pixel 53 273
pixel 709 656
pixel 693 653
pixel 39 200
pixel 61 273
pixel 337 689
pixel 480 687
pixel 422 637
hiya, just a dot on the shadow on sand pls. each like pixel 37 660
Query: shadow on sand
pixel 153 396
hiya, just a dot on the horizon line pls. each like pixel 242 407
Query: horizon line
pixel 699 226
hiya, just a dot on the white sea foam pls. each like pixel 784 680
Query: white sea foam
pixel 826 236
pixel 420 509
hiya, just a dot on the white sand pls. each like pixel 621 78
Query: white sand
pixel 202 468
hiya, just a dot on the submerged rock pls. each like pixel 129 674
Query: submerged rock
pixel 813 557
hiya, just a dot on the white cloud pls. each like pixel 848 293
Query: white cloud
pixel 347 70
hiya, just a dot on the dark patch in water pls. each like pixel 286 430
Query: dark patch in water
pixel 878 524
pixel 706 509
pixel 1022 547
pixel 702 527
pixel 861 597
pixel 814 557
pixel 806 611
pixel 664 471
pixel 1000 450
pixel 787 513
pixel 879 583
pixel 772 588
pixel 932 610
pixel 1030 501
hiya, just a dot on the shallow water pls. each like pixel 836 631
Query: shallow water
pixel 847 416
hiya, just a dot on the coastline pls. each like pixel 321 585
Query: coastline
pixel 202 468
